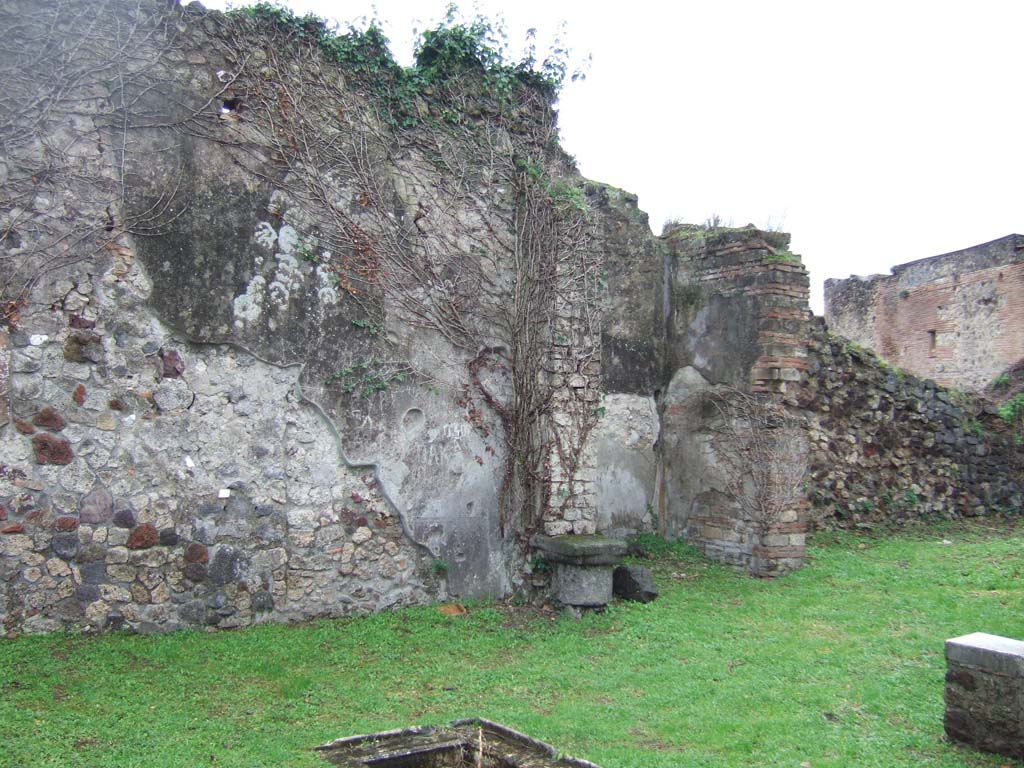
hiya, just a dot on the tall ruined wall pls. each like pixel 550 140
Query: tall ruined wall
pixel 737 324
pixel 215 409
pixel 620 452
pixel 275 326
pixel 957 318
pixel 887 445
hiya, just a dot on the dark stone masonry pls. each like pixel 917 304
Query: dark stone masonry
pixel 889 446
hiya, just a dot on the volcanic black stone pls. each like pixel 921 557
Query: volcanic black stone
pixel 262 601
pixel 93 573
pixel 226 566
pixel 64 545
pixel 168 537
pixel 87 593
pixel 124 518
pixel 633 582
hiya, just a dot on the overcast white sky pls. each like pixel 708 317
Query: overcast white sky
pixel 875 132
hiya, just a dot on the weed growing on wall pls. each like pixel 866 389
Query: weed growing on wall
pixel 1012 412
pixel 453 49
pixel 368 377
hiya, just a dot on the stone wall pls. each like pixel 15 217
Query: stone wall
pixel 204 422
pixel 622 445
pixel 737 325
pixel 957 318
pixel 889 446
pixel 153 483
pixel 215 409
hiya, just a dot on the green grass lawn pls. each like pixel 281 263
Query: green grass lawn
pixel 840 664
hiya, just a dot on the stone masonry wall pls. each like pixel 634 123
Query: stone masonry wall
pixel 151 483
pixel 202 422
pixel 621 446
pixel 957 318
pixel 889 446
pixel 738 321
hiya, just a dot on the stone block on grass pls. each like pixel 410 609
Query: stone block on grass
pixel 985 693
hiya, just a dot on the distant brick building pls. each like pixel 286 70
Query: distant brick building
pixel 957 318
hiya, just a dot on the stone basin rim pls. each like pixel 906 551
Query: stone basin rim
pixel 448 736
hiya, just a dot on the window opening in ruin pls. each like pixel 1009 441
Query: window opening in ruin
pixel 933 340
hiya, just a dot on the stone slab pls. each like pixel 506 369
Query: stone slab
pixel 992 653
pixel 580 550
pixel 635 583
pixel 471 741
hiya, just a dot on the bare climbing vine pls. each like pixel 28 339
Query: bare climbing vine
pixel 436 197
pixel 764 447
pixel 442 200
pixel 71 73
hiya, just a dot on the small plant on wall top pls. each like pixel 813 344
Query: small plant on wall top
pixel 1012 412
pixel 456 47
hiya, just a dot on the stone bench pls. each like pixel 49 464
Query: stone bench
pixel 582 567
pixel 985 693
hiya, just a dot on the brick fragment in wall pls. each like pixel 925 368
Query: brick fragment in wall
pixel 50 449
pixel 49 419
pixel 172 365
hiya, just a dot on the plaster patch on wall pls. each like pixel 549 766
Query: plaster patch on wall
pixel 248 308
pixel 622 446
